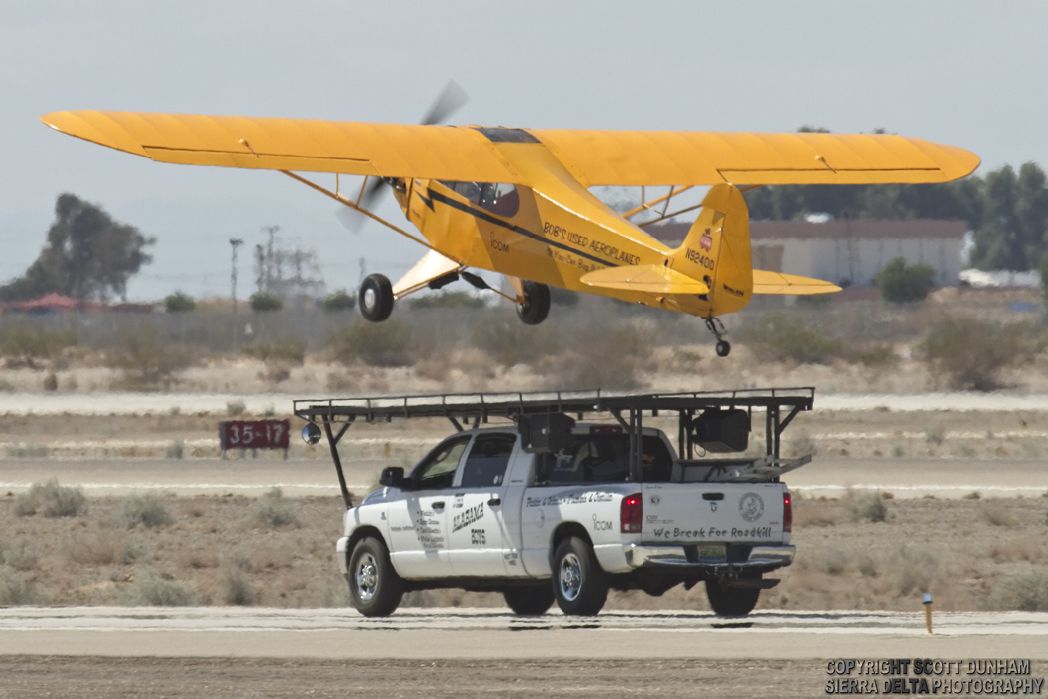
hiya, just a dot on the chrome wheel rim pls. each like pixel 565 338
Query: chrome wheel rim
pixel 366 577
pixel 570 577
pixel 369 298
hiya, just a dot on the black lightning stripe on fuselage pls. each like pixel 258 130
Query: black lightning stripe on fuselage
pixel 483 216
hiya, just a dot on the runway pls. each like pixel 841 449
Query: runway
pixel 830 476
pixel 477 634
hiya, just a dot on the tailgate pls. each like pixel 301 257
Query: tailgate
pixel 713 512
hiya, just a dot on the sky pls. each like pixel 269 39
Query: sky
pixel 957 72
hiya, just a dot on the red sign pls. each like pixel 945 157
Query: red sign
pixel 254 434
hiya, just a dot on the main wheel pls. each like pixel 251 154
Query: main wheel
pixel 529 601
pixel 579 583
pixel 723 348
pixel 375 587
pixel 731 601
pixel 536 303
pixel 376 297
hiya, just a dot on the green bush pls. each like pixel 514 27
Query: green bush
pixel 386 344
pixel 902 283
pixel 264 302
pixel 338 301
pixel 51 500
pixel 179 302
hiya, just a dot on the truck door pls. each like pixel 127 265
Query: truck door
pixel 418 521
pixel 478 538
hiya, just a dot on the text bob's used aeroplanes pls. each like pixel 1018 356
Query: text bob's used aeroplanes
pixel 517 201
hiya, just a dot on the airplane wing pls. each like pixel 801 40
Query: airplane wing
pixel 777 283
pixel 655 279
pixel 475 153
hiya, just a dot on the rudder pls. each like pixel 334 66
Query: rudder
pixel 717 250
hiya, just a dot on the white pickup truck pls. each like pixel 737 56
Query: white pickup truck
pixel 568 517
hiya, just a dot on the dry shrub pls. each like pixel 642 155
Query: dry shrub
pixel 620 350
pixel 99 548
pixel 51 500
pixel 914 569
pixel 832 561
pixel 509 342
pixel 153 589
pixel 777 337
pixel 1011 550
pixel 865 507
pixel 147 362
pixel 235 586
pixel 273 511
pixel 386 344
pixel 16 590
pixel 816 514
pixel 286 351
pixel 1026 592
pixel 147 510
pixel 26 344
pixel 998 516
pixel 19 554
pixel 970 353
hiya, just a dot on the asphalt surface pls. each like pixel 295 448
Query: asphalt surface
pixel 479 634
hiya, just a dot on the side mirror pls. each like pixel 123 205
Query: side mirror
pixel 392 477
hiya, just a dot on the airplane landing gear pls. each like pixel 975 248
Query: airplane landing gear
pixel 376 297
pixel 715 326
pixel 535 307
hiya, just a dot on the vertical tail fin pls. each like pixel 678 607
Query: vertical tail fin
pixel 717 250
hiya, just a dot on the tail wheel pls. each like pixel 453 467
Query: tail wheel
pixel 376 297
pixel 535 306
pixel 731 601
pixel 374 585
pixel 529 601
pixel 579 583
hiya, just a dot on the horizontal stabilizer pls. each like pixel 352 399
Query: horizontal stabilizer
pixel 653 279
pixel 767 282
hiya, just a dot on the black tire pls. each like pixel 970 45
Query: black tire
pixel 723 348
pixel 533 600
pixel 536 303
pixel 375 297
pixel 731 601
pixel 585 594
pixel 376 591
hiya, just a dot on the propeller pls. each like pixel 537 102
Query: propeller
pixel 450 100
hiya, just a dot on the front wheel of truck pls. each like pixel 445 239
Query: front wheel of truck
pixel 728 600
pixel 579 583
pixel 374 585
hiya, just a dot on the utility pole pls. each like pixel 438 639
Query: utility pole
pixel 270 258
pixel 235 243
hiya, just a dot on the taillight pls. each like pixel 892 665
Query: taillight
pixel 632 513
pixel 787 512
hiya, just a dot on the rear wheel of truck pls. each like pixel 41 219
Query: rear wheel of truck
pixel 726 600
pixel 375 587
pixel 529 601
pixel 579 583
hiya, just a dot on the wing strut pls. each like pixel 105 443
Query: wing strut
pixel 353 205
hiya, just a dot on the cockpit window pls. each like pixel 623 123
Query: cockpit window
pixel 500 198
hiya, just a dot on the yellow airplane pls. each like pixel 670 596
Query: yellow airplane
pixel 517 201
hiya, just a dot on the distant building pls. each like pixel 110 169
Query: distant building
pixel 847 252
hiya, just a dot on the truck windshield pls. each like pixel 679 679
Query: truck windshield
pixel 604 458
